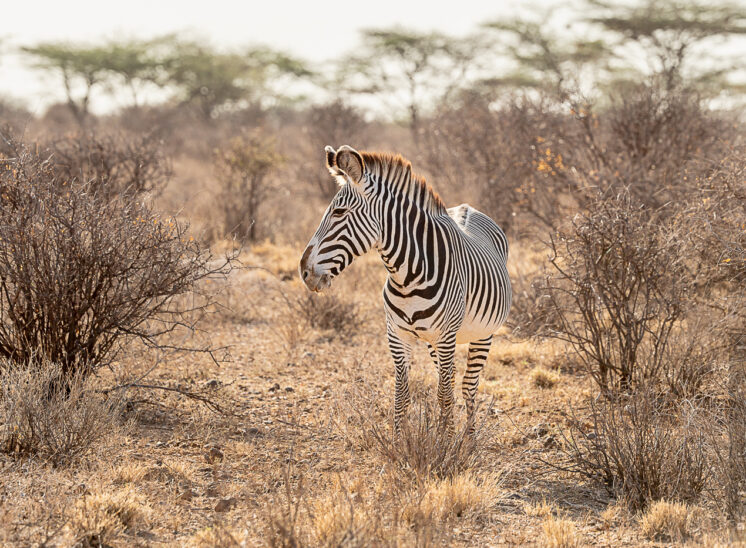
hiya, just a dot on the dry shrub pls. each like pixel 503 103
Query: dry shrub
pixel 334 124
pixel 729 442
pixel 504 155
pixel 425 448
pixel 668 522
pixel 642 447
pixel 111 165
pixel 243 167
pixel 619 287
pixel 80 273
pixel 13 117
pixel 543 378
pixel 559 533
pixel 715 222
pixel 656 138
pixel 52 417
pixel 329 312
pixel 532 314
pixel 99 518
pixel 547 158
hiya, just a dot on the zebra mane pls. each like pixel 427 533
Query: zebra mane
pixel 396 173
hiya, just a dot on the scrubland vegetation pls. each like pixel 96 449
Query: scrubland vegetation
pixel 166 379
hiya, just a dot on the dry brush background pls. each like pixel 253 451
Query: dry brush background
pixel 166 379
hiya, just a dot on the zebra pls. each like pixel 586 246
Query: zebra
pixel 447 268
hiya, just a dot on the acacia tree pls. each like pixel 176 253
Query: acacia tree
pixel 545 60
pixel 136 64
pixel 82 68
pixel 214 80
pixel 671 30
pixel 404 66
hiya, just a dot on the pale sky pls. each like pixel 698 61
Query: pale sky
pixel 316 31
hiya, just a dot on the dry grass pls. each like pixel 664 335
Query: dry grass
pixel 44 415
pixel 99 518
pixel 425 448
pixel 466 495
pixel 543 378
pixel 540 509
pixel 668 521
pixel 217 535
pixel 320 424
pixel 559 533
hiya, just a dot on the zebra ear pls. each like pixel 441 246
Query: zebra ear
pixel 350 162
pixel 330 154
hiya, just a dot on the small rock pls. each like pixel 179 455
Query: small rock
pixel 214 455
pixel 550 442
pixel 224 505
pixel 275 387
pixel 212 383
pixel 253 432
pixel 540 430
pixel 289 389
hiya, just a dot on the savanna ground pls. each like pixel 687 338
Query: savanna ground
pixel 153 395
pixel 293 456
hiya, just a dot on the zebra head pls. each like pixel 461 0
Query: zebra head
pixel 348 228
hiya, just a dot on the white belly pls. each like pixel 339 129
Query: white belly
pixel 473 330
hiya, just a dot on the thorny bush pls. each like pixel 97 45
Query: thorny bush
pixel 39 418
pixel 111 165
pixel 243 167
pixel 619 287
pixel 642 447
pixel 80 273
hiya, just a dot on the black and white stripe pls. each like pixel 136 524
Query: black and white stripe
pixel 448 280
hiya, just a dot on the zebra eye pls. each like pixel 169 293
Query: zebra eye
pixel 339 211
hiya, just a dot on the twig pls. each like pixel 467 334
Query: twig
pixel 210 404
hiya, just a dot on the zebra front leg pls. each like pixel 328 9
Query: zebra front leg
pixel 446 350
pixel 401 352
pixel 477 357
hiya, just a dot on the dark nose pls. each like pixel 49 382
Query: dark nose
pixel 305 272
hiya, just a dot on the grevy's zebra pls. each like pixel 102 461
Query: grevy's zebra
pixel 448 282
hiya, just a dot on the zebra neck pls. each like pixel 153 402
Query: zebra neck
pixel 408 247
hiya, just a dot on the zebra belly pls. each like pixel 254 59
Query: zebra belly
pixel 474 330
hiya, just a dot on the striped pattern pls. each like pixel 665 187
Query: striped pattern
pixel 447 283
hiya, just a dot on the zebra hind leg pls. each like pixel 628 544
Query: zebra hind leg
pixel 477 357
pixel 446 351
pixel 401 352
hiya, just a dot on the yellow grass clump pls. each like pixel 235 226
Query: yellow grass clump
pixel 668 521
pixel 465 493
pixel 559 533
pixel 217 535
pixel 538 509
pixel 99 518
pixel 543 378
